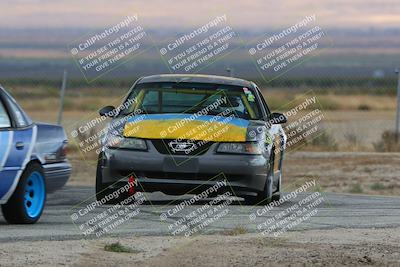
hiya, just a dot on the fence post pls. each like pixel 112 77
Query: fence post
pixel 229 70
pixel 62 95
pixel 398 106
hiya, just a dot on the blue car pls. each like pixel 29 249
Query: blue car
pixel 32 162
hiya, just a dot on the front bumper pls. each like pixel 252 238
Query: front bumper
pixel 173 174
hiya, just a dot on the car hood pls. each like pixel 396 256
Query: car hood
pixel 190 126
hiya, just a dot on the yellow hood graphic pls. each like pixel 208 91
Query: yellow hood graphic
pixel 186 126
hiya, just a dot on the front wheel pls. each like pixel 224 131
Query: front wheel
pixel 277 195
pixel 262 198
pixel 27 202
pixel 265 196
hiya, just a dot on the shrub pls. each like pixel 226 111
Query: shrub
pixel 117 247
pixel 325 141
pixel 356 189
pixel 364 107
pixel 352 139
pixel 328 103
pixel 388 142
pixel 377 186
pixel 237 230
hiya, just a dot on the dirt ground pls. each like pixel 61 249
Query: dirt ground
pixel 346 172
pixel 344 247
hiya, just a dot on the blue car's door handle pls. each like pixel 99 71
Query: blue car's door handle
pixel 19 145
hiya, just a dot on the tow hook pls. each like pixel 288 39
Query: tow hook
pixel 131 183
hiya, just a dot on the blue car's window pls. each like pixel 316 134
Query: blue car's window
pixel 19 116
pixel 21 119
pixel 4 119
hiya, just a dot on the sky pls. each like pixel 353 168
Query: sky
pixel 164 14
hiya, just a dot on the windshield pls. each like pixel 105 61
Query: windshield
pixel 159 98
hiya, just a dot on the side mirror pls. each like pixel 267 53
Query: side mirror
pixel 277 118
pixel 108 111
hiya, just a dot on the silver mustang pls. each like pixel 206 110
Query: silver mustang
pixel 182 134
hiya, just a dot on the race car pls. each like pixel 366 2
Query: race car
pixel 32 162
pixel 182 134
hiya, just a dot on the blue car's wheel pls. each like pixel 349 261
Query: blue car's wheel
pixel 27 202
pixel 35 194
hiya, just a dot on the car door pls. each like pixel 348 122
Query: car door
pixel 6 137
pixel 16 144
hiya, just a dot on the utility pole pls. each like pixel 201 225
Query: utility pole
pixel 62 95
pixel 398 106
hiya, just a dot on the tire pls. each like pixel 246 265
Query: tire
pixel 28 200
pixel 277 195
pixel 103 190
pixel 265 196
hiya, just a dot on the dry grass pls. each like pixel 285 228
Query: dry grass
pixel 356 189
pixel 390 142
pixel 279 98
pixel 237 230
pixel 360 102
pixel 118 247
pixel 91 99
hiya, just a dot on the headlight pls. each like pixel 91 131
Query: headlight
pixel 127 143
pixel 252 148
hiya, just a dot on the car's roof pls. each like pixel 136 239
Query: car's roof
pixel 2 90
pixel 195 78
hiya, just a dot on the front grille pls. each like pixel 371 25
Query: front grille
pixel 183 147
pixel 191 176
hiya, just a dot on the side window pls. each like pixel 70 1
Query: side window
pixel 20 119
pixel 5 121
pixel 267 110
